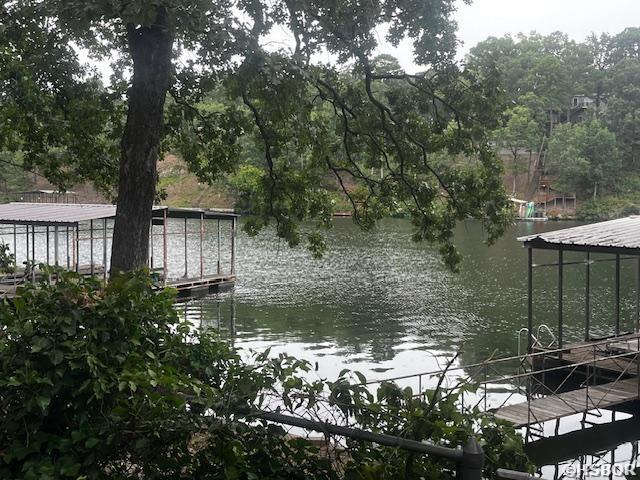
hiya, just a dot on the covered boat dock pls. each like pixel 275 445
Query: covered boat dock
pixel 590 373
pixel 193 250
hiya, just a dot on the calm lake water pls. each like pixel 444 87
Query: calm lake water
pixel 386 306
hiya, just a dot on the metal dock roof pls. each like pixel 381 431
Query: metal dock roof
pixel 613 236
pixel 73 213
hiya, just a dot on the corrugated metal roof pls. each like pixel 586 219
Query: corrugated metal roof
pixel 72 213
pixel 623 233
pixel 55 213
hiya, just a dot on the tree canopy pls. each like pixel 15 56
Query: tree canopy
pixel 547 74
pixel 584 156
pixel 344 117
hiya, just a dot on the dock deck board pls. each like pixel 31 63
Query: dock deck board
pixel 569 403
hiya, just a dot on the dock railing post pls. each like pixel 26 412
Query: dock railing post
pixel 472 463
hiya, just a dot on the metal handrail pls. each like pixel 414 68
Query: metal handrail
pixel 469 459
pixel 576 347
pixel 544 326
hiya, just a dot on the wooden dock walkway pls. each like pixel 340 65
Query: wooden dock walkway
pixel 188 288
pixel 569 403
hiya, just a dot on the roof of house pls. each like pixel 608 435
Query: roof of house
pixel 613 236
pixel 74 213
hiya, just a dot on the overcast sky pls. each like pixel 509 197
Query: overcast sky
pixel 577 18
pixel 484 18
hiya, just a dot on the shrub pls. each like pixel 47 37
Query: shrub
pixel 107 383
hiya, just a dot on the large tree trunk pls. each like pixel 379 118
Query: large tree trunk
pixel 151 51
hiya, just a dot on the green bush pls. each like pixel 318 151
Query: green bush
pixel 607 208
pixel 106 382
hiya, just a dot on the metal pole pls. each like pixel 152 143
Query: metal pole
pixel 104 248
pixel 47 242
pixel 151 249
pixel 560 299
pixel 76 248
pixel 617 307
pixel 219 265
pixel 587 302
pixel 233 245
pixel 638 295
pixel 530 300
pixel 201 242
pixel 164 245
pixel 27 237
pixel 56 255
pixel 15 253
pixel 186 257
pixel 15 242
pixel 33 252
pixel 91 246
pixel 67 250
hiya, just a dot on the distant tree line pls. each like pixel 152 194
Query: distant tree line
pixel 578 102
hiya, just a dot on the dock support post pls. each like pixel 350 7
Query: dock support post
pixel 165 267
pixel 186 253
pixel 530 300
pixel 617 304
pixel 233 245
pixel 56 255
pixel 76 248
pixel 560 301
pixel 15 253
pixel 47 243
pixel 201 242
pixel 638 295
pixel 67 249
pixel 219 264
pixel 27 237
pixel 91 246
pixel 587 301
pixel 104 248
pixel 33 252
pixel 151 263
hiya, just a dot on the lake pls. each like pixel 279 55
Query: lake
pixel 383 305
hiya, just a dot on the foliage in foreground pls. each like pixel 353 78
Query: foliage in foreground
pixel 106 382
